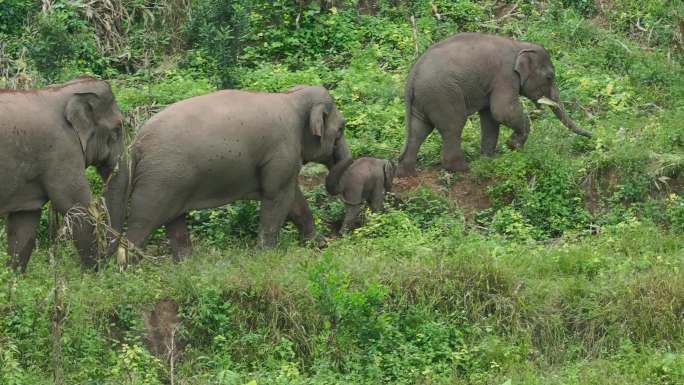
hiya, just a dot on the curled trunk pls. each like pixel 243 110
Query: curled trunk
pixel 332 181
pixel 560 113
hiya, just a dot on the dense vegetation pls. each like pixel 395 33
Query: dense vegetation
pixel 568 270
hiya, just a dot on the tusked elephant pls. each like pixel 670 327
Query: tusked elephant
pixel 362 180
pixel 48 137
pixel 214 149
pixel 474 72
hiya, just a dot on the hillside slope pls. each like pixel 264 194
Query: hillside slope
pixel 562 263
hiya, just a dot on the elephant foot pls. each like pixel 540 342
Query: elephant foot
pixel 267 241
pixel 89 264
pixel 180 254
pixel 489 153
pixel 404 171
pixel 515 143
pixel 458 166
pixel 313 239
pixel 318 242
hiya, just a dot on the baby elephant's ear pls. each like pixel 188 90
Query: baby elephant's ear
pixel 389 169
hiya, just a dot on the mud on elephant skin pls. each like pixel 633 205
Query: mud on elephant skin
pixel 469 73
pixel 48 137
pixel 214 149
pixel 357 181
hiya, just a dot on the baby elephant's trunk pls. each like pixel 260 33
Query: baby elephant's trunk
pixel 332 181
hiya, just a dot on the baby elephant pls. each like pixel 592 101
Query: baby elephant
pixel 363 179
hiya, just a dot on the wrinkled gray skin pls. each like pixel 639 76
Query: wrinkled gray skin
pixel 48 137
pixel 469 73
pixel 214 149
pixel 361 180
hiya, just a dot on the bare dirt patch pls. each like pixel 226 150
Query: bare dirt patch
pixel 161 329
pixel 468 192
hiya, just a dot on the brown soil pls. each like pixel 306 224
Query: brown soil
pixel 467 191
pixel 161 327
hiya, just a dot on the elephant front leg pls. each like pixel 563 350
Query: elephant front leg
pixel 71 197
pixel 274 210
pixel 352 212
pixel 508 110
pixel 489 133
pixel 21 237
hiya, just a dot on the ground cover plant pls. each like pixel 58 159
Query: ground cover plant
pixel 562 263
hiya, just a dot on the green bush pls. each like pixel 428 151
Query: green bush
pixel 14 14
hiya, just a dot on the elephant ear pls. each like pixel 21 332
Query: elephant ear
pixel 317 119
pixel 389 170
pixel 79 113
pixel 524 65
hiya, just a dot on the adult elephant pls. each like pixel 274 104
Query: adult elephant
pixel 48 137
pixel 214 149
pixel 473 72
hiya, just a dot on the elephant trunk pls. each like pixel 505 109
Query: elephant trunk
pixel 341 152
pixel 332 181
pixel 116 197
pixel 561 114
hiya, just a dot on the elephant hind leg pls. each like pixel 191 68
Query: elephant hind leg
pixel 417 131
pixel 21 237
pixel 377 199
pixel 151 209
pixel 448 113
pixel 179 238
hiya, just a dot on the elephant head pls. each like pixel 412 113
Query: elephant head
pixel 389 170
pixel 323 141
pixel 537 82
pixel 92 112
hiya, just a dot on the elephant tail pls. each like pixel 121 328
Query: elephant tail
pixel 332 181
pixel 409 94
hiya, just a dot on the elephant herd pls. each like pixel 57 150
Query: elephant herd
pixel 210 150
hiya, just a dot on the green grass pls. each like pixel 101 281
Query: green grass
pixel 573 276
pixel 461 308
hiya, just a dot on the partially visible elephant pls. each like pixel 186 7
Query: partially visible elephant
pixel 214 149
pixel 361 180
pixel 48 137
pixel 474 72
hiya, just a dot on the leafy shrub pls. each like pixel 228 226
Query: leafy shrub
pixel 219 227
pixel 535 191
pixel 389 224
pixel 214 28
pixel 14 14
pixel 584 7
pixel 60 39
pixel 675 211
pixel 425 207
pixel 135 365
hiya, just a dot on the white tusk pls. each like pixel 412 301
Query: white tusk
pixel 122 257
pixel 547 101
